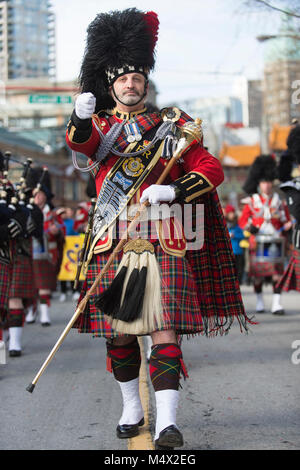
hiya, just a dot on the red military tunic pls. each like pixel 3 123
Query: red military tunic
pixel 46 263
pixel 192 293
pixel 268 216
pixel 254 212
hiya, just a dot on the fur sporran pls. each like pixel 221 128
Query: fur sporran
pixel 132 303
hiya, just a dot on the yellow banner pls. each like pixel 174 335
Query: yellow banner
pixel 71 256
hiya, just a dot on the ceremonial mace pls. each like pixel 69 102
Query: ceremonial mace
pixel 190 131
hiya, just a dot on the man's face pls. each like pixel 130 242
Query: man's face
pixel 129 88
pixel 266 187
pixel 230 216
pixel 40 199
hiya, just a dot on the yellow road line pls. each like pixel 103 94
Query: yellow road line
pixel 144 440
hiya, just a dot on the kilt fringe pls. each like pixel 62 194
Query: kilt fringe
pixel 290 279
pixel 200 292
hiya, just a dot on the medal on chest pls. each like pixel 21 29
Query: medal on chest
pixel 133 133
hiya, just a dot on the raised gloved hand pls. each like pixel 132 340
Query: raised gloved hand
pixel 85 105
pixel 158 193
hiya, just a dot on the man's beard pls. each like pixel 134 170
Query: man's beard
pixel 130 99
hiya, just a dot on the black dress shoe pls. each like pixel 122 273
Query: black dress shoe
pixel 14 353
pixel 46 324
pixel 169 438
pixel 279 312
pixel 125 431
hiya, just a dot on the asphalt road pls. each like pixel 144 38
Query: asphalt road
pixel 242 392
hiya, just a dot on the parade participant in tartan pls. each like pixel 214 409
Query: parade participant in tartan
pixel 21 289
pixel 18 224
pixel 289 175
pixel 8 231
pixel 47 249
pixel 264 214
pixel 199 289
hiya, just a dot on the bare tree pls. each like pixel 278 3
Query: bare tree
pixel 287 7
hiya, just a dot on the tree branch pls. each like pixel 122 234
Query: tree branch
pixel 290 13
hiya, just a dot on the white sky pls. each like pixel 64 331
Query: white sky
pixel 195 36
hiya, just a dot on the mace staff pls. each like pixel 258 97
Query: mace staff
pixel 190 131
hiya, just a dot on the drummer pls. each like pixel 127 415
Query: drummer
pixel 267 219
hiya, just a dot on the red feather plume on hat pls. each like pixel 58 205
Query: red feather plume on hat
pixel 152 21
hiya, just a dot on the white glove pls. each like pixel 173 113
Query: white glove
pixel 158 193
pixel 85 105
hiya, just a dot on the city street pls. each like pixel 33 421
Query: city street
pixel 242 393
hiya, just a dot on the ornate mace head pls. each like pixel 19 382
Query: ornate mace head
pixel 192 130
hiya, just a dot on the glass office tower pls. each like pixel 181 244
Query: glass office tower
pixel 27 39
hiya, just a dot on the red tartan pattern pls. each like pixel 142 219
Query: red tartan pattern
pixel 291 276
pixel 215 273
pixel 125 360
pixel 15 318
pixel 144 122
pixel 44 274
pixel 264 269
pixel 5 279
pixel 179 298
pixel 22 285
pixel 164 366
pixel 200 292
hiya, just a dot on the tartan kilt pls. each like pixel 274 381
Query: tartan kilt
pixel 265 268
pixel 200 292
pixel 291 276
pixel 5 280
pixel 22 285
pixel 44 273
pixel 181 309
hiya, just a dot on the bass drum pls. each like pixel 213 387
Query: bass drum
pixel 269 249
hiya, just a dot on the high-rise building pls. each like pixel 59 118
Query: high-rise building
pixel 255 103
pixel 27 39
pixel 281 77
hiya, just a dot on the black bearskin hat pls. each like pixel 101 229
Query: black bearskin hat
pixel 293 143
pixel 39 176
pixel 290 157
pixel 118 42
pixel 285 166
pixel 263 169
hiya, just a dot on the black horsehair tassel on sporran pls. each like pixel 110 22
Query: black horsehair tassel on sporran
pixel 132 303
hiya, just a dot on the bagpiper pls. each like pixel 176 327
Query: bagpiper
pixel 24 223
pixel 289 175
pixel 157 285
pixel 265 215
pixel 47 248
pixel 8 231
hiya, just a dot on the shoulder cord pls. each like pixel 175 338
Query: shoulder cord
pixel 108 140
